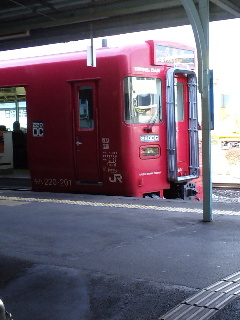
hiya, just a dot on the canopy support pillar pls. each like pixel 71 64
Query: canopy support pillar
pixel 199 19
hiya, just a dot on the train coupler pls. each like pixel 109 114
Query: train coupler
pixel 190 191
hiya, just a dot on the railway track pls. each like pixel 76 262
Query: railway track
pixel 226 185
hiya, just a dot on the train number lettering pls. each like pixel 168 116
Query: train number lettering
pixel 65 182
pixel 50 182
pixel 53 182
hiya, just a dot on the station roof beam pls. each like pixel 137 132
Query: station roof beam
pixel 25 23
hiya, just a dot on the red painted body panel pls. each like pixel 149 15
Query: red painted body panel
pixel 105 159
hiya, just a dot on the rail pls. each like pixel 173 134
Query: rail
pixel 226 185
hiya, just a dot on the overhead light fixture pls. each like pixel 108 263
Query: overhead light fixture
pixel 15 35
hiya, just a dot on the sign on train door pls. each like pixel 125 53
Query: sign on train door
pixel 86 133
pixel 182 125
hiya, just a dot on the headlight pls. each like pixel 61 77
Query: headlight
pixel 149 152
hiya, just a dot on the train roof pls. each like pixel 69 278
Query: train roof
pixel 80 55
pixel 68 56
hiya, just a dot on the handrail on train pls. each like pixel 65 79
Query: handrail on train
pixel 171 126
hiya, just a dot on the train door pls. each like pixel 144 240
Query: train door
pixel 86 133
pixel 182 125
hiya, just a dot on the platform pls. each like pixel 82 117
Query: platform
pixel 71 256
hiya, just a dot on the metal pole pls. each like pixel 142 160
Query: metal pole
pixel 206 117
pixel 200 25
pixel 91 53
pixel 17 109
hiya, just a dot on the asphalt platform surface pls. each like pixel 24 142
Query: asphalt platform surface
pixel 86 257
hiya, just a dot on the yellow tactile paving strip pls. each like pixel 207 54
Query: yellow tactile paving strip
pixel 19 200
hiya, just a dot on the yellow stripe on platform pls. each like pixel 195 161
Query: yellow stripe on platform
pixel 115 205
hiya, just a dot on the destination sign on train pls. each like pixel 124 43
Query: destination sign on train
pixel 175 56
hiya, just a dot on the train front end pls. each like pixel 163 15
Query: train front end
pixel 161 123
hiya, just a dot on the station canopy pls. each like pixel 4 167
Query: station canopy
pixel 25 23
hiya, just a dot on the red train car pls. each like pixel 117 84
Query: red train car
pixel 126 127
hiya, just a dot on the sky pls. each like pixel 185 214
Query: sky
pixel 224 47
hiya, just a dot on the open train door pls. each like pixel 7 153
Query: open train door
pixel 86 132
pixel 182 125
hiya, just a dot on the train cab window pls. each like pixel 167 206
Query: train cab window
pixel 142 100
pixel 86 120
pixel 179 101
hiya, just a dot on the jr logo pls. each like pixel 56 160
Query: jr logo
pixel 116 177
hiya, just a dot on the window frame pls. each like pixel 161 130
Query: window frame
pixel 130 114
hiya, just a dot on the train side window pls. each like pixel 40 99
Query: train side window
pixel 13 107
pixel 143 100
pixel 85 97
pixel 179 101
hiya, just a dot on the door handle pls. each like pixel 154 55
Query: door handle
pixel 78 143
